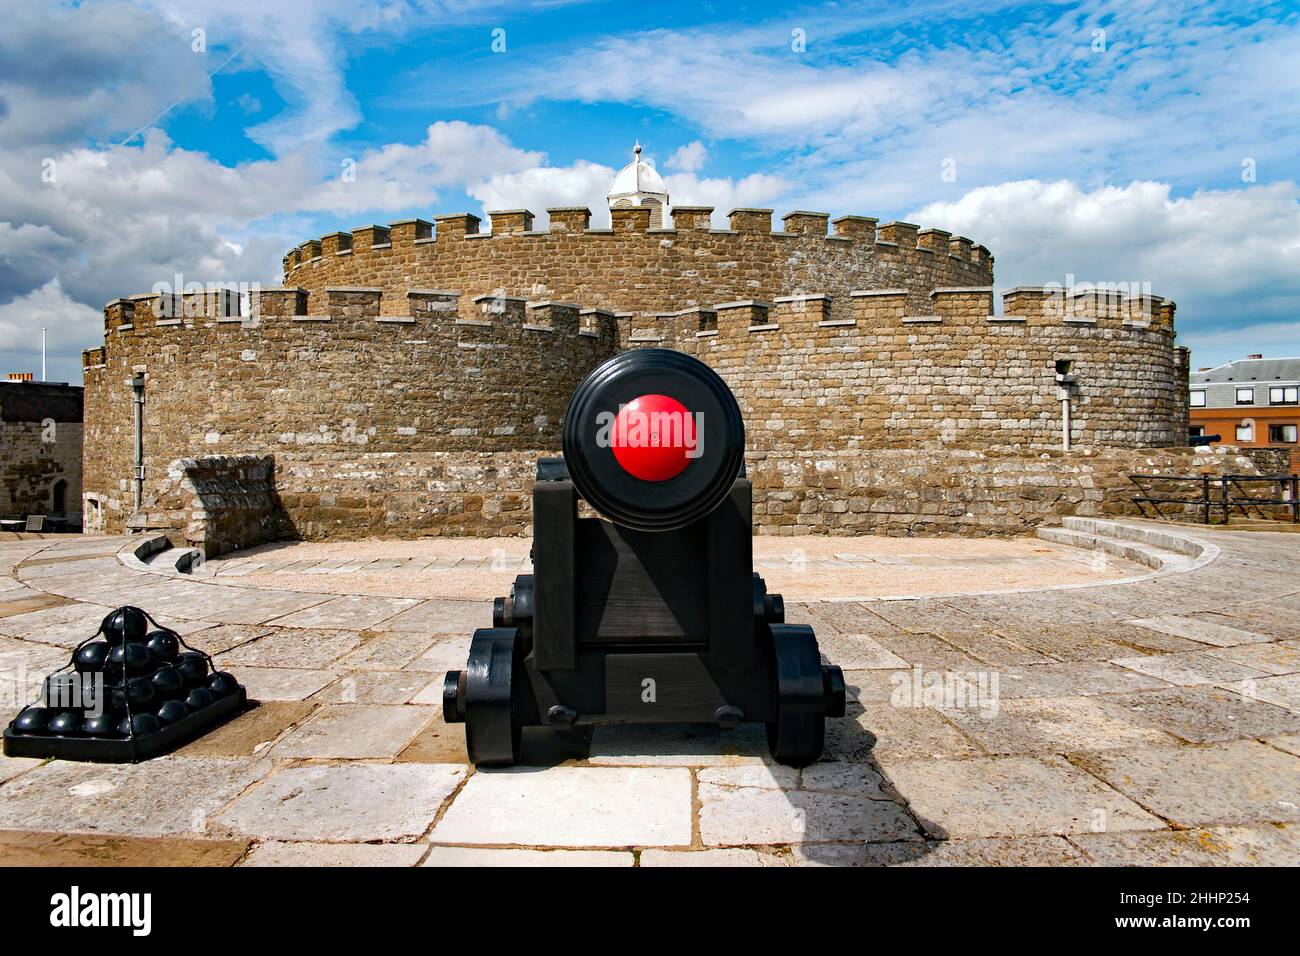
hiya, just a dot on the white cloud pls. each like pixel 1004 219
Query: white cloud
pixel 689 158
pixel 70 326
pixel 1229 258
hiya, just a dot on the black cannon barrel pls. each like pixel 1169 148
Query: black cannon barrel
pixel 653 439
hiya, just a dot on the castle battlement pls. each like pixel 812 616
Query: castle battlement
pixel 872 311
pixel 571 222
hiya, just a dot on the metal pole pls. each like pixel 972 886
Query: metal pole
pixel 137 397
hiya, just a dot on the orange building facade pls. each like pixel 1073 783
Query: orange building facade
pixel 1252 402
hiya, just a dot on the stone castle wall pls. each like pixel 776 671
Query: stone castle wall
pixel 637 271
pixel 404 382
pixel 40 444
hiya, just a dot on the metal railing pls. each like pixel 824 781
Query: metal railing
pixel 1219 494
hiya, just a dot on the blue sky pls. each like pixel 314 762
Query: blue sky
pixel 1111 142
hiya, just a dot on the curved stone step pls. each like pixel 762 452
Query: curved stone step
pixel 1163 551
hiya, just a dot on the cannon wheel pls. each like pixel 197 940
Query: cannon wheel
pixel 492 730
pixel 797 733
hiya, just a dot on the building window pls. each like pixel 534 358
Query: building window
pixel 1245 396
pixel 59 497
pixel 1282 433
pixel 1245 433
pixel 1198 398
pixel 1284 395
pixel 1196 431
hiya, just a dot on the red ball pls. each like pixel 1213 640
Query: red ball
pixel 652 437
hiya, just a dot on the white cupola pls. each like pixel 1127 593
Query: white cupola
pixel 637 184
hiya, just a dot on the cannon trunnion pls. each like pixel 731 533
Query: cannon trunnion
pixel 656 615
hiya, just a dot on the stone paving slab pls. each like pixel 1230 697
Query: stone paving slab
pixel 355 732
pixel 66 625
pixel 731 816
pixel 292 647
pixel 1266 844
pixel 354 611
pixel 251 733
pixel 217 638
pixel 482 856
pixel 1238 782
pixel 1201 714
pixel 678 745
pixel 1060 642
pixel 1201 628
pixel 1283 691
pixel 282 683
pixel 990 851
pixel 450 653
pixel 389 651
pixel 1272 621
pixel 442 617
pixel 1276 658
pixel 358 802
pixel 881 731
pixel 167 796
pixel 857 652
pixel 710 858
pixel 992 648
pixel 928 651
pixel 571 807
pixel 1054 725
pixel 27 848
pixel 20 600
pixel 1012 796
pixel 11 767
pixel 1073 678
pixel 1287 742
pixel 277 853
pixel 1187 670
pixel 383 687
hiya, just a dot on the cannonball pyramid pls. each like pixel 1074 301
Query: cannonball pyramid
pixel 139 692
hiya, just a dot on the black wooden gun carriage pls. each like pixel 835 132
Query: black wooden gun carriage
pixel 653 613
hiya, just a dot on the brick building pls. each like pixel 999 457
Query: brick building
pixel 40 450
pixel 1252 403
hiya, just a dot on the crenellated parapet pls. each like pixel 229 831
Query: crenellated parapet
pixel 631 267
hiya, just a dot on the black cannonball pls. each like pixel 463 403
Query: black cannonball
pixel 163 645
pixel 91 658
pixel 222 684
pixel 105 725
pixel 168 683
pixel 135 658
pixel 62 691
pixel 34 720
pixel 140 724
pixel 63 723
pixel 198 698
pixel 170 712
pixel 138 691
pixel 194 668
pixel 126 624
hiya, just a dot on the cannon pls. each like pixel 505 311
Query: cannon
pixel 648 611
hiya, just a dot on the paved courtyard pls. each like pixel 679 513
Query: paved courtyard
pixel 1143 716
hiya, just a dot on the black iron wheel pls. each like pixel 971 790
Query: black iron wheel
pixel 492 729
pixel 797 732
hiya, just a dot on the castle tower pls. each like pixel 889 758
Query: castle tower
pixel 637 184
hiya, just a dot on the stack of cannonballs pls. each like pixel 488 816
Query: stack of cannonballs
pixel 128 696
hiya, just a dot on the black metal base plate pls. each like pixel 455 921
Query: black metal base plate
pixel 120 749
